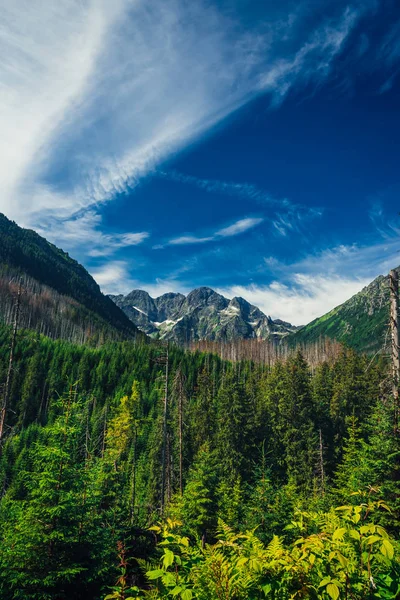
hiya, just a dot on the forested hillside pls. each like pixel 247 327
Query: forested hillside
pixel 361 322
pixel 142 470
pixel 59 296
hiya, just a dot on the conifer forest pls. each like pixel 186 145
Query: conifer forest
pixel 138 469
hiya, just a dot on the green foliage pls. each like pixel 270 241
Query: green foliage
pixel 195 507
pixel 48 528
pixel 263 454
pixel 339 554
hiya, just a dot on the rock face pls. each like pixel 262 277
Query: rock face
pixel 361 322
pixel 201 315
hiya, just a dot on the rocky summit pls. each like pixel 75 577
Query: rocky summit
pixel 201 315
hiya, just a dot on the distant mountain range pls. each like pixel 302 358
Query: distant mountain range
pixel 361 322
pixel 201 315
pixel 60 299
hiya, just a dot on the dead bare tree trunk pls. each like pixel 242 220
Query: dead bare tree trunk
pixel 179 391
pixel 165 421
pixel 321 463
pixel 180 441
pixel 103 441
pixel 133 489
pixel 3 411
pixel 394 312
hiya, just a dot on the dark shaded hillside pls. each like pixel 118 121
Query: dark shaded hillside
pixel 361 322
pixel 24 252
pixel 47 312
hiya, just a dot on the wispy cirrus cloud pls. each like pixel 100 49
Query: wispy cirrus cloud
pixel 387 226
pixel 237 228
pixel 84 229
pixel 356 261
pixel 247 191
pixel 287 216
pixel 95 95
pixel 240 226
pixel 293 220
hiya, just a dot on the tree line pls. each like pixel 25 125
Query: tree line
pixel 104 443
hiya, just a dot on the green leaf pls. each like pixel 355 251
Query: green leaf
pixel 187 595
pixel 184 541
pixel 155 574
pixel 364 529
pixel 342 559
pixel 387 549
pixel 333 590
pixel 339 533
pixel 266 588
pixel 169 579
pixel 371 539
pixel 177 590
pixel 353 533
pixel 325 581
pixel 382 532
pixel 168 558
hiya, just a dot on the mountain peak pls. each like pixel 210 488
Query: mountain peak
pixel 203 314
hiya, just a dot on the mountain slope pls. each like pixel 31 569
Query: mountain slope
pixel 55 286
pixel 361 322
pixel 201 315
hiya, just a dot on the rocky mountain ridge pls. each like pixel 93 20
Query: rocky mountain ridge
pixel 201 315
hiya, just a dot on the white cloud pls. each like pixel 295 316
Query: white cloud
pixel 83 230
pixel 95 94
pixel 308 297
pixel 188 239
pixel 114 278
pixel 240 226
pixel 349 262
pixel 49 50
pixel 312 286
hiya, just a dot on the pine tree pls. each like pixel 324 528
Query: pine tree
pixel 47 536
pixel 196 508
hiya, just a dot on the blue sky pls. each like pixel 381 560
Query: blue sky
pixel 249 146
